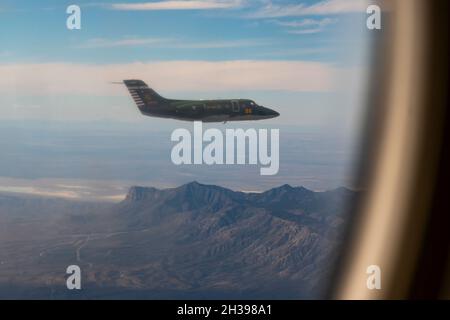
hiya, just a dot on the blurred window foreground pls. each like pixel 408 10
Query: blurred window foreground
pixel 404 218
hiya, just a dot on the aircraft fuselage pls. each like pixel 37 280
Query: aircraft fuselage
pixel 152 104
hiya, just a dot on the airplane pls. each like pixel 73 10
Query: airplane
pixel 152 104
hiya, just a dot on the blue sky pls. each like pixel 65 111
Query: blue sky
pixel 35 31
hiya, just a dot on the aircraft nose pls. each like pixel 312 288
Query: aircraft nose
pixel 270 113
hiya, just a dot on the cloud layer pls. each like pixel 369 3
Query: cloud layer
pixel 66 78
pixel 306 26
pixel 327 7
pixel 172 43
pixel 178 5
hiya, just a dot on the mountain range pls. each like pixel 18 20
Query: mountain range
pixel 193 242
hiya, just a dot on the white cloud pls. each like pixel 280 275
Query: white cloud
pixel 306 26
pixel 305 31
pixel 327 7
pixel 294 52
pixel 240 43
pixel 173 43
pixel 49 79
pixel 307 23
pixel 129 42
pixel 179 5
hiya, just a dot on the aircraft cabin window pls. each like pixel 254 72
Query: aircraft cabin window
pixel 136 152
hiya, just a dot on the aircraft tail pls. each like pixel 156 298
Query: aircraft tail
pixel 145 98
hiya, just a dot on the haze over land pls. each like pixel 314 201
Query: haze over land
pixel 97 161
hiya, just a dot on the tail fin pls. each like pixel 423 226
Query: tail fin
pixel 144 97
